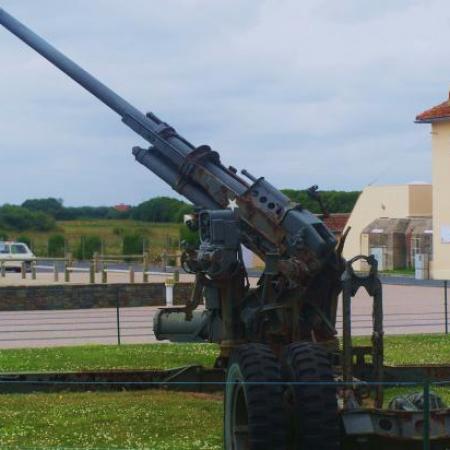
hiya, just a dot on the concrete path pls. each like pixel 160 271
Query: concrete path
pixel 47 278
pixel 408 309
pixel 75 327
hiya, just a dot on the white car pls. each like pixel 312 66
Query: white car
pixel 13 253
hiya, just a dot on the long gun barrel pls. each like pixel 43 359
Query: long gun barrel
pixel 173 147
pixel 270 223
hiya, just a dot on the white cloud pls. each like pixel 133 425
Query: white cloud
pixel 301 92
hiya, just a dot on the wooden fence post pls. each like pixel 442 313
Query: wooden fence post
pixel 178 254
pixel 95 262
pixel 164 260
pixel 92 267
pixel 131 274
pixel 145 268
pixel 66 272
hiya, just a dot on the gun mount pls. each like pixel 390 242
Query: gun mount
pixel 278 335
pixel 297 294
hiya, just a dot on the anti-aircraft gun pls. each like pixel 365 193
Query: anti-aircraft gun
pixel 273 338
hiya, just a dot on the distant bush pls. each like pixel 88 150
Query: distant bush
pixel 132 244
pixel 54 207
pixel 50 206
pixel 334 201
pixel 20 219
pixel 191 238
pixel 85 212
pixel 87 247
pixel 56 245
pixel 3 235
pixel 186 209
pixel 159 209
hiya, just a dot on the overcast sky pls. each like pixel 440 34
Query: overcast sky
pixel 301 92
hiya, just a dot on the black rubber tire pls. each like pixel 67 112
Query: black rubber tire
pixel 315 419
pixel 255 409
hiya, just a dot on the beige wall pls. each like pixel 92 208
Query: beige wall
pixel 420 200
pixel 441 198
pixel 394 201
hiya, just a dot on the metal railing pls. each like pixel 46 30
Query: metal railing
pixel 99 264
pixel 113 324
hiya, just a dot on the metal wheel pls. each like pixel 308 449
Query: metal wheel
pixel 313 408
pixel 254 414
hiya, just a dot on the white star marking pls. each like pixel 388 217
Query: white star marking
pixel 232 204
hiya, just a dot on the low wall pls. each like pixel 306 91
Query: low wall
pixel 75 296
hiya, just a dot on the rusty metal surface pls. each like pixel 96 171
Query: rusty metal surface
pixel 351 284
pixel 406 373
pixel 189 378
pixel 367 429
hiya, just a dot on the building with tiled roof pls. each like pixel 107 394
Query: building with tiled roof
pixel 439 118
pixel 438 112
pixel 121 207
pixel 336 222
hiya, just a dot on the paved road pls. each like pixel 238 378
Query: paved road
pixel 47 278
pixel 408 309
pixel 73 327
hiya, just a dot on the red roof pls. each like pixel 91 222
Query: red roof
pixel 441 111
pixel 336 222
pixel 121 207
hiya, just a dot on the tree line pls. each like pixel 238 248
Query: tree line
pixel 42 214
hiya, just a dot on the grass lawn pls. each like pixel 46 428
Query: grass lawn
pixel 93 357
pixel 431 348
pixel 153 420
pixel 414 349
pixel 156 420
pixel 409 271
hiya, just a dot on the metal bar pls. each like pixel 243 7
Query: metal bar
pixel 131 116
pixel 157 273
pixel 347 331
pixel 117 270
pixel 426 415
pixel 118 316
pixel 145 269
pixel 446 306
pixel 66 272
pixel 92 272
pixel 120 257
pixel 78 269
pixel 69 67
pixel 377 339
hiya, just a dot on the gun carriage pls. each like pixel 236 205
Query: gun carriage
pixel 276 338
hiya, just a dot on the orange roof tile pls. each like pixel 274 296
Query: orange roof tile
pixel 336 222
pixel 441 111
pixel 121 207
